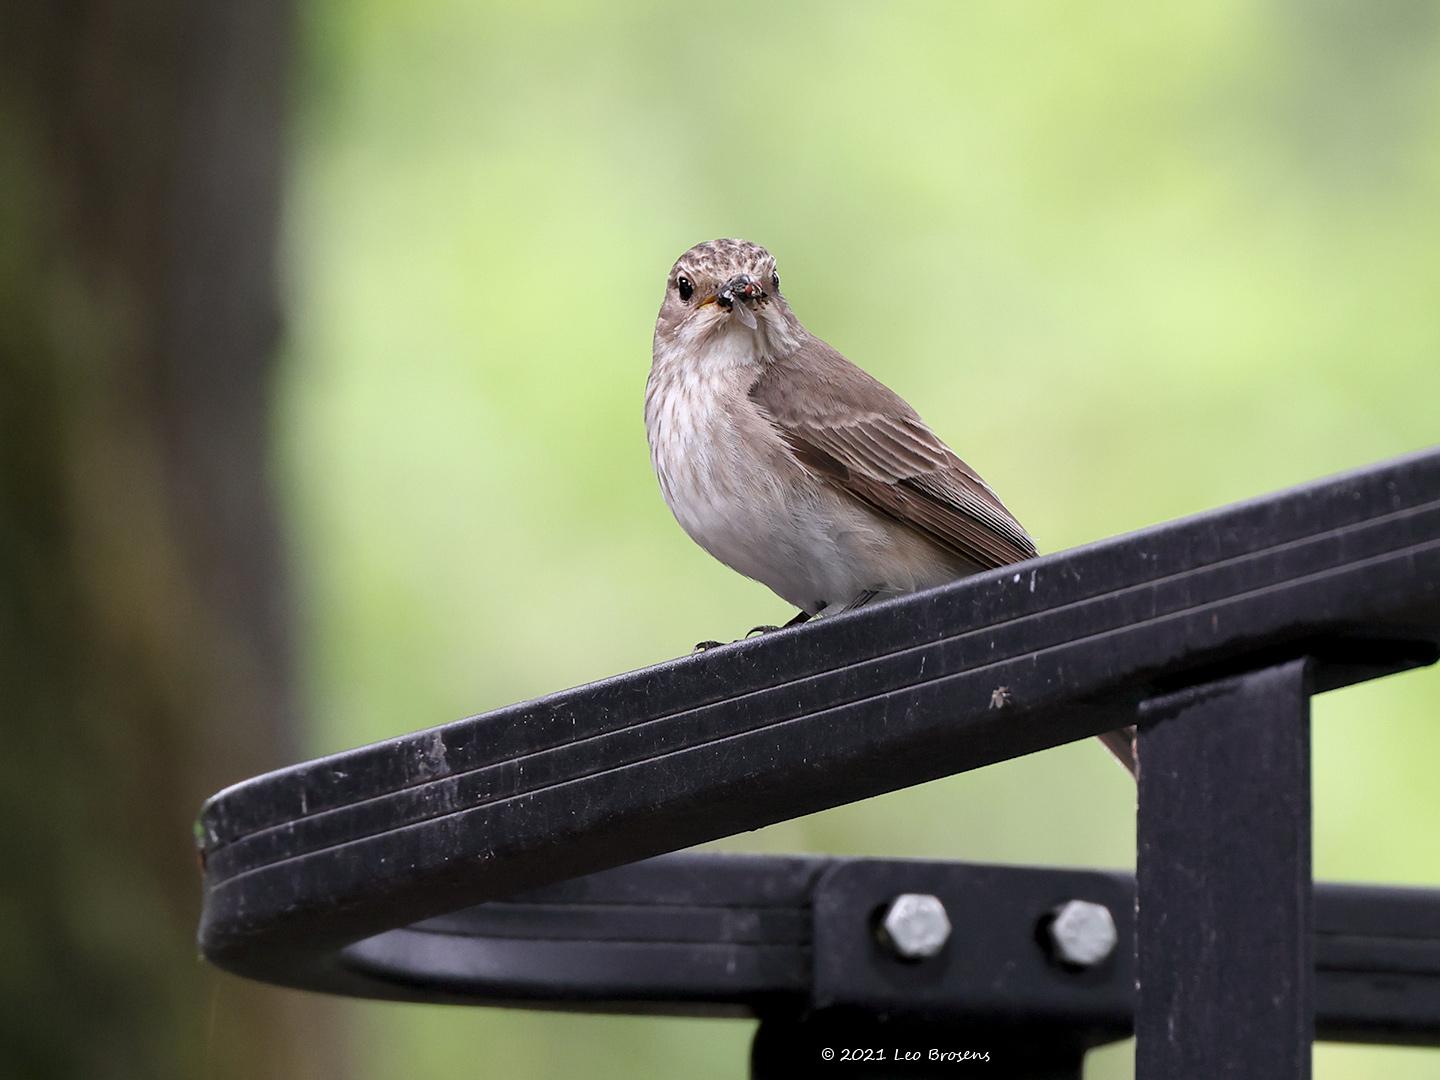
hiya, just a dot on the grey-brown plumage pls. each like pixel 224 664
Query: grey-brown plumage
pixel 792 465
pixel 859 435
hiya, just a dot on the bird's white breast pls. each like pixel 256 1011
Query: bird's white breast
pixel 708 474
pixel 738 491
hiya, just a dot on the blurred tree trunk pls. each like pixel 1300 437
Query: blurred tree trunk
pixel 144 657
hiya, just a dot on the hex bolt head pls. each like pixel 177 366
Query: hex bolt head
pixel 1082 933
pixel 915 926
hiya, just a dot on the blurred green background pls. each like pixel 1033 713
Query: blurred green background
pixel 1131 262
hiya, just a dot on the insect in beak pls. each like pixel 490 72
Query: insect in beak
pixel 737 295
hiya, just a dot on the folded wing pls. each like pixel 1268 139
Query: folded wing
pixel 856 434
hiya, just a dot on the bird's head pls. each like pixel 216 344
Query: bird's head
pixel 724 287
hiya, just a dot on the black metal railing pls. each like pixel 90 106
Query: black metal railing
pixel 360 873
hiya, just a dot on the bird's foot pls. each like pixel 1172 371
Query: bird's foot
pixel 764 628
pixel 800 617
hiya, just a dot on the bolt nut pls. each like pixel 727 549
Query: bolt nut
pixel 915 926
pixel 1082 933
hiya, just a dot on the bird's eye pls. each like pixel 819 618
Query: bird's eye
pixel 685 287
pixel 775 280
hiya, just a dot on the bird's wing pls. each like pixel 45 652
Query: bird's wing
pixel 859 436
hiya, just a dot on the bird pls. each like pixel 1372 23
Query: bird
pixel 795 467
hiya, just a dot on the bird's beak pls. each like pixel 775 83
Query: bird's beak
pixel 737 295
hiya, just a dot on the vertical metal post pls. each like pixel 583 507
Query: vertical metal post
pixel 1223 881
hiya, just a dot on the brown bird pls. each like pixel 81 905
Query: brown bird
pixel 793 466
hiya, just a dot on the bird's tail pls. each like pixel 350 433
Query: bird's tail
pixel 1121 743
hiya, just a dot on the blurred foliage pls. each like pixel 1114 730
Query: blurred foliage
pixel 1133 263
pixel 144 654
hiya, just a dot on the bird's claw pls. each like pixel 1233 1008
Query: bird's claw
pixel 764 628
